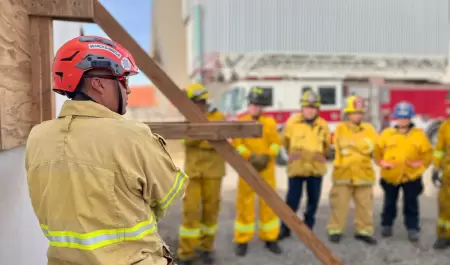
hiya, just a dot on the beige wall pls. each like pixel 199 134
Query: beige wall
pixel 169 47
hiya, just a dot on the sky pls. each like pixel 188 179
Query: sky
pixel 135 17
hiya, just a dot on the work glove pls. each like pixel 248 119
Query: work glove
pixel 259 162
pixel 436 178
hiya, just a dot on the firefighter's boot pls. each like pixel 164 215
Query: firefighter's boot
pixel 241 249
pixel 413 236
pixel 284 233
pixel 441 243
pixel 207 257
pixel 369 240
pixel 274 247
pixel 336 238
pixel 386 231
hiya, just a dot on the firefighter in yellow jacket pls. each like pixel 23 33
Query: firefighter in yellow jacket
pixel 99 183
pixel 353 174
pixel 261 152
pixel 442 166
pixel 306 138
pixel 201 203
pixel 403 153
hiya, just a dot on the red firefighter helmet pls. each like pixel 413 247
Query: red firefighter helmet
pixel 85 53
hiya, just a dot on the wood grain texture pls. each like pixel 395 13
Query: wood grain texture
pixel 70 10
pixel 15 68
pixel 114 30
pixel 207 131
pixel 41 50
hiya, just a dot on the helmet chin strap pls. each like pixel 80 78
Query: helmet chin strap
pixel 120 108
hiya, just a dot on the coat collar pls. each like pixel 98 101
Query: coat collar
pixel 88 109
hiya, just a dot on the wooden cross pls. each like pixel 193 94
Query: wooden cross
pixel 42 12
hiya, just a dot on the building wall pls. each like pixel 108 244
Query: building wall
pixel 22 241
pixel 355 26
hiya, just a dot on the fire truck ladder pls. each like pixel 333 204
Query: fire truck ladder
pixel 237 66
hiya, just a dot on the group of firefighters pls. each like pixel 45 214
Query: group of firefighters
pixel 403 153
pixel 99 184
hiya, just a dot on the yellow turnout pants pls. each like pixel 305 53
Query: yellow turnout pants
pixel 340 197
pixel 201 206
pixel 443 224
pixel 268 225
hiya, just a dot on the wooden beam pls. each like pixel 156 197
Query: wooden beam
pixel 115 31
pixel 41 52
pixel 70 10
pixel 221 130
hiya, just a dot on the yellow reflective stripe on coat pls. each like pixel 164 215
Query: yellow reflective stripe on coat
pixel 438 154
pixel 270 225
pixel 275 148
pixel 100 238
pixel 187 232
pixel 208 230
pixel 241 148
pixel 173 192
pixel 248 228
pixel 444 223
pixel 370 144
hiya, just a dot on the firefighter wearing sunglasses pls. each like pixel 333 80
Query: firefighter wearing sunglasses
pixel 99 183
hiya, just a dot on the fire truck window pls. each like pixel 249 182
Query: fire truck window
pixel 327 95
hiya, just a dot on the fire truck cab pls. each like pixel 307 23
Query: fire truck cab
pixel 382 80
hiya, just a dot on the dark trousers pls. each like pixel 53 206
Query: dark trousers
pixel 411 192
pixel 294 196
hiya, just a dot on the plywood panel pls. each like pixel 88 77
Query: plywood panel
pixel 15 88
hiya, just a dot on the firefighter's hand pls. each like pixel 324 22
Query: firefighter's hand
pixel 259 162
pixel 320 157
pixel 414 164
pixel 386 164
pixel 436 178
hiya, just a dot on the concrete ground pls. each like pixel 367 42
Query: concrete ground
pixel 396 250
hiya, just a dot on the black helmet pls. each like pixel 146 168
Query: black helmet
pixel 256 96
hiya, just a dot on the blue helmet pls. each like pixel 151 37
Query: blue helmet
pixel 404 110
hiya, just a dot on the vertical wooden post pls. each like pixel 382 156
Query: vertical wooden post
pixel 41 34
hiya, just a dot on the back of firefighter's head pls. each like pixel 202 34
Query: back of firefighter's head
pixel 310 103
pixel 256 101
pixel 403 113
pixel 355 108
pixel 94 68
pixel 199 95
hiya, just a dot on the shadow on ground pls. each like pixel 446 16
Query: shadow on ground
pixel 396 250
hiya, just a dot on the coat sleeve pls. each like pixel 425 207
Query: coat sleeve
pixel 425 150
pixel 287 134
pixel 438 153
pixel 378 151
pixel 327 140
pixel 159 180
pixel 367 144
pixel 273 137
pixel 337 146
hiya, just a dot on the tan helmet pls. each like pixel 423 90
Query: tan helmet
pixel 310 99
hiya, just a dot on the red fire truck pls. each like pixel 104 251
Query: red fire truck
pixel 334 77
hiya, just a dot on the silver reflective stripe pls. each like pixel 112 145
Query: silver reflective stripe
pixel 100 238
pixel 165 202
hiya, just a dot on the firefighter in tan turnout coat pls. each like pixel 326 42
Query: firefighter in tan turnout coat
pixel 99 183
pixel 353 174
pixel 201 203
